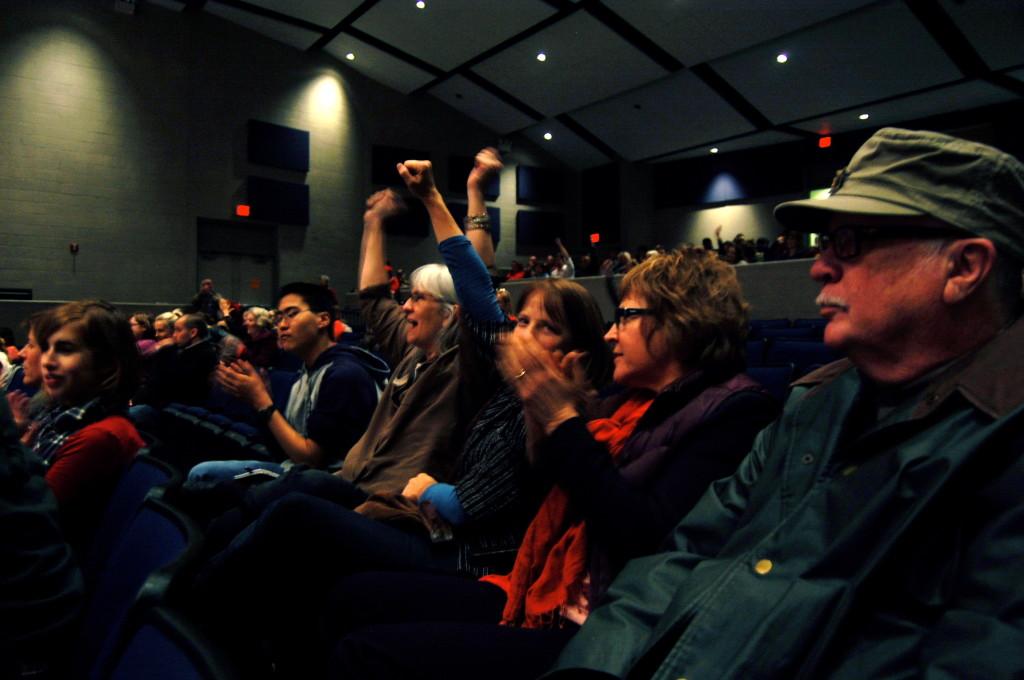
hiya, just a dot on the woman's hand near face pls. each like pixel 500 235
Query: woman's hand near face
pixel 552 386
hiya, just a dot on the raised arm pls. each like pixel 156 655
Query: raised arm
pixel 472 282
pixel 486 164
pixel 419 177
pixel 379 207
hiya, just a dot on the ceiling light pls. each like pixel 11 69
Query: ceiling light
pixel 421 4
pixel 782 58
pixel 350 56
pixel 541 56
pixel 547 136
pixel 714 149
pixel 864 116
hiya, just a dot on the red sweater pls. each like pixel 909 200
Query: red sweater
pixel 86 469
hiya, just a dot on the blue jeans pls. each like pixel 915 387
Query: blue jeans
pixel 226 470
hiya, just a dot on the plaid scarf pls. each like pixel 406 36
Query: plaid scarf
pixel 57 424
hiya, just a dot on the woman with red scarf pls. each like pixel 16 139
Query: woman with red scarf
pixel 621 481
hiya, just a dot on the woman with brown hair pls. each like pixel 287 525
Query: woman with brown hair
pixel 623 477
pixel 90 368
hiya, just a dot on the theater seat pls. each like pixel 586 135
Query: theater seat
pixel 144 567
pixel 166 646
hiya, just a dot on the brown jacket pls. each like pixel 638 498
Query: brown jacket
pixel 422 416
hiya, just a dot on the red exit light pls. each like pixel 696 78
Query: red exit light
pixel 242 210
pixel 595 238
pixel 824 142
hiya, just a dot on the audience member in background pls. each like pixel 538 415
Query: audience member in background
pixel 5 365
pixel 41 589
pixel 142 329
pixel 10 346
pixel 163 328
pixel 182 375
pixel 622 480
pixel 25 398
pixel 230 317
pixel 260 337
pixel 472 524
pixel 539 269
pixel 587 266
pixel 876 529
pixel 329 405
pixel 623 262
pixel 564 267
pixel 516 271
pixel 90 368
pixel 207 302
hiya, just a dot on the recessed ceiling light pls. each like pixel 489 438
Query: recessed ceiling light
pixel 421 4
pixel 864 116
pixel 541 56
pixel 782 58
pixel 350 56
pixel 547 136
pixel 714 149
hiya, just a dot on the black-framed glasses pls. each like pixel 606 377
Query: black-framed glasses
pixel 630 312
pixel 286 314
pixel 847 243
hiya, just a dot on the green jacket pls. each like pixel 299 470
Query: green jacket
pixel 895 552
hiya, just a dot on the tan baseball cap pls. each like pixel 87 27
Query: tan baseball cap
pixel 969 186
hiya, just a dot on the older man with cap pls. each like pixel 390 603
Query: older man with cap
pixel 877 528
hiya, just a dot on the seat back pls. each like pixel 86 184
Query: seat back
pixel 144 566
pixel 165 646
pixel 802 354
pixel 775 379
pixel 143 474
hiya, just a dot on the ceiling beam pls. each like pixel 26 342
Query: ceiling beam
pixel 336 30
pixel 501 94
pixel 723 89
pixel 463 68
pixel 588 136
pixel 271 14
pixel 630 34
pixel 950 38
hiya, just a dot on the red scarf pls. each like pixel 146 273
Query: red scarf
pixel 551 564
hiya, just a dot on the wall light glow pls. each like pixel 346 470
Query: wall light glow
pixel 421 4
pixel 350 56
pixel 541 56
pixel 547 136
pixel 714 149
pixel 782 58
pixel 864 116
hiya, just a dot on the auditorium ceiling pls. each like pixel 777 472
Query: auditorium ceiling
pixel 655 80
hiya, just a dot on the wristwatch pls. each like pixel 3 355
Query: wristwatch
pixel 266 413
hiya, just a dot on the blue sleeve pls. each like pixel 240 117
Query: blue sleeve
pixel 472 282
pixel 446 501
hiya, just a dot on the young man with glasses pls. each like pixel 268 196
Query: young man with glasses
pixel 877 528
pixel 330 402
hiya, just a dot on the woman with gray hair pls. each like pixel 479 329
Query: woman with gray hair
pixel 261 337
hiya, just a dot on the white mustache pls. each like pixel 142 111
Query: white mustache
pixel 831 301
